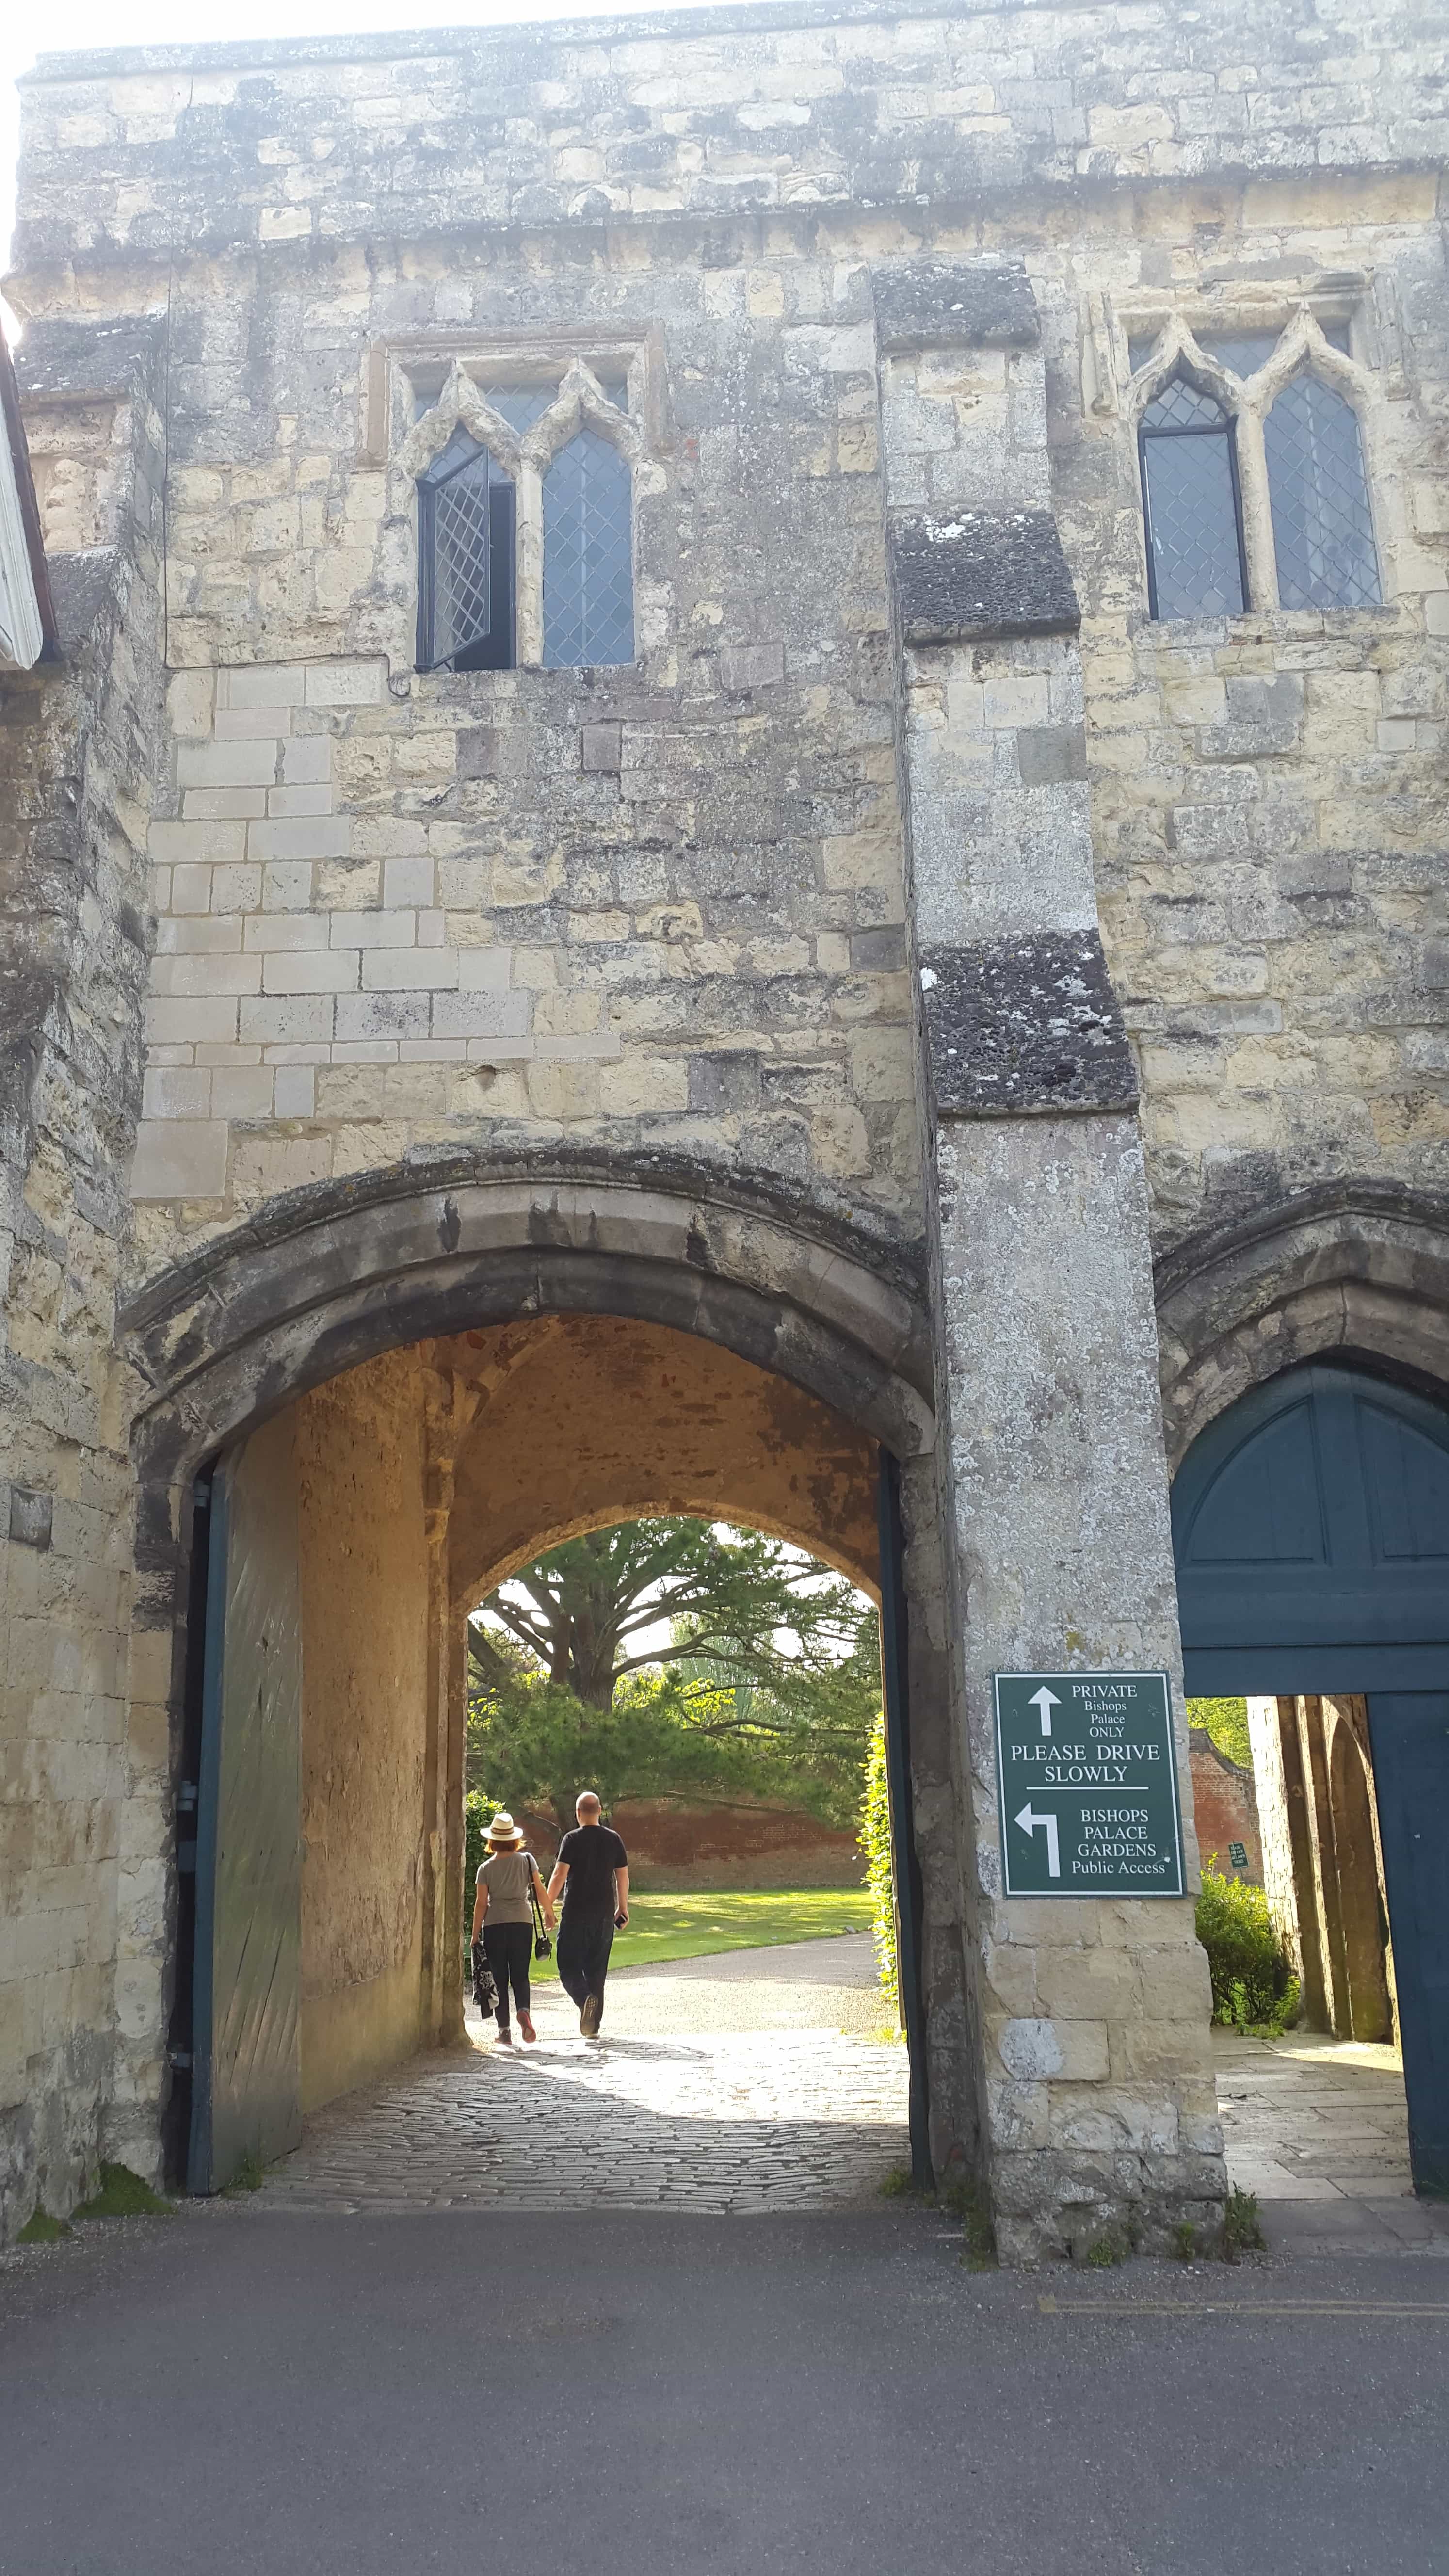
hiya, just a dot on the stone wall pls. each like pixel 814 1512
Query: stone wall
pixel 84 1806
pixel 900 745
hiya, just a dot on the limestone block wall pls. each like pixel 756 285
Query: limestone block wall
pixel 84 1811
pixel 405 921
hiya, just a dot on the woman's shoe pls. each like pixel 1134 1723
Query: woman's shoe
pixel 526 2026
pixel 505 2035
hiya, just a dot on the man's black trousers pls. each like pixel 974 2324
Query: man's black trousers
pixel 583 1953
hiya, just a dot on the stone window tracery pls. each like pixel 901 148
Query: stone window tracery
pixel 1255 491
pixel 525 497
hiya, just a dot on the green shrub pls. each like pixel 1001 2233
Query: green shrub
pixel 1254 1988
pixel 874 1839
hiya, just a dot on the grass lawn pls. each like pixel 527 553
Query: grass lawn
pixel 694 1927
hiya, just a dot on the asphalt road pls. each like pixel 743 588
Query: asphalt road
pixel 236 2391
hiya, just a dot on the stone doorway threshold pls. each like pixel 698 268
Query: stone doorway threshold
pixel 1317 2128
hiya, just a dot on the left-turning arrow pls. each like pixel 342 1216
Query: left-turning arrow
pixel 1030 1822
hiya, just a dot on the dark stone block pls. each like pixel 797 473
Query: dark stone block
pixel 601 747
pixel 30 1517
pixel 879 952
pixel 955 304
pixel 1051 755
pixel 478 751
pixel 973 574
pixel 721 1085
pixel 1022 1027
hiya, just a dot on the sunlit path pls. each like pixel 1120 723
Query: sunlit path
pixel 753 2081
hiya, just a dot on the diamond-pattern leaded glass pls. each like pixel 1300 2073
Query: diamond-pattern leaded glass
pixel 1190 490
pixel 1241 352
pixel 454 529
pixel 588 572
pixel 1322 526
pixel 520 405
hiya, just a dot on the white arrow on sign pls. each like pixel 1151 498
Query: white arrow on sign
pixel 1028 1819
pixel 1044 1701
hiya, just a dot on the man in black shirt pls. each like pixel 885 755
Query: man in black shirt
pixel 592 1870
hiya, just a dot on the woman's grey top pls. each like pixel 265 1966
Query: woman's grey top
pixel 505 1874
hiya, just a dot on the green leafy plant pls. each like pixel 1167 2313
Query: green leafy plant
pixel 1105 2252
pixel 897 2184
pixel 1184 2240
pixel 41 2229
pixel 122 2194
pixel 1242 2227
pixel 962 2198
pixel 1254 1988
pixel 874 1839
pixel 250 2174
pixel 1226 1721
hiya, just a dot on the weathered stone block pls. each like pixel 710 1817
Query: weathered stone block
pixel 980 573
pixel 940 304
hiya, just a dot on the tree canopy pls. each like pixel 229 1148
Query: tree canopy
pixel 765 1685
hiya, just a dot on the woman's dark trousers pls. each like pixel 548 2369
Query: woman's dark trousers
pixel 583 1954
pixel 508 1948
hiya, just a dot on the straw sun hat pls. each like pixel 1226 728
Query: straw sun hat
pixel 503 1831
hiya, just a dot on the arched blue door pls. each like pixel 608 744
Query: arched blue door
pixel 1311 1529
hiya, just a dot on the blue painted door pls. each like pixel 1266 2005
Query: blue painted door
pixel 1311 1528
pixel 1409 1733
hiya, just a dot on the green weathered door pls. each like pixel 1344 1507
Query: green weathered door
pixel 246 2085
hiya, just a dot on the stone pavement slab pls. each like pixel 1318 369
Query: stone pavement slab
pixel 1317 2129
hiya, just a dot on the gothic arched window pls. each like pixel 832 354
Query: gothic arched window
pixel 1323 533
pixel 1195 561
pixel 458 555
pixel 588 568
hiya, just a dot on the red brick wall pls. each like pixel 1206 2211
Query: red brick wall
pixel 1224 1804
pixel 673 1846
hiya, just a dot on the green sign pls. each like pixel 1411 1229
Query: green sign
pixel 1088 1782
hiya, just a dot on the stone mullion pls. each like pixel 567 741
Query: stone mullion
pixel 529 609
pixel 1258 547
pixel 1095 2117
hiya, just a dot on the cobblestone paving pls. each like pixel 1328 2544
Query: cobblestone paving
pixel 710 2089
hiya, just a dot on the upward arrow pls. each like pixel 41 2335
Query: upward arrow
pixel 1044 1701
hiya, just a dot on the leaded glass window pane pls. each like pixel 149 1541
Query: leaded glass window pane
pixel 1241 352
pixel 1322 525
pixel 453 533
pixel 520 405
pixel 1190 494
pixel 588 573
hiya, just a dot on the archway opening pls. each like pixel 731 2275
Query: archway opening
pixel 350 1538
pixel 1311 1527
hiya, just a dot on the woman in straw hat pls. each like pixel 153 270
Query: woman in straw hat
pixel 509 1883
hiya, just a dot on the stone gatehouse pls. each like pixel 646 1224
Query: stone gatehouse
pixel 739 807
